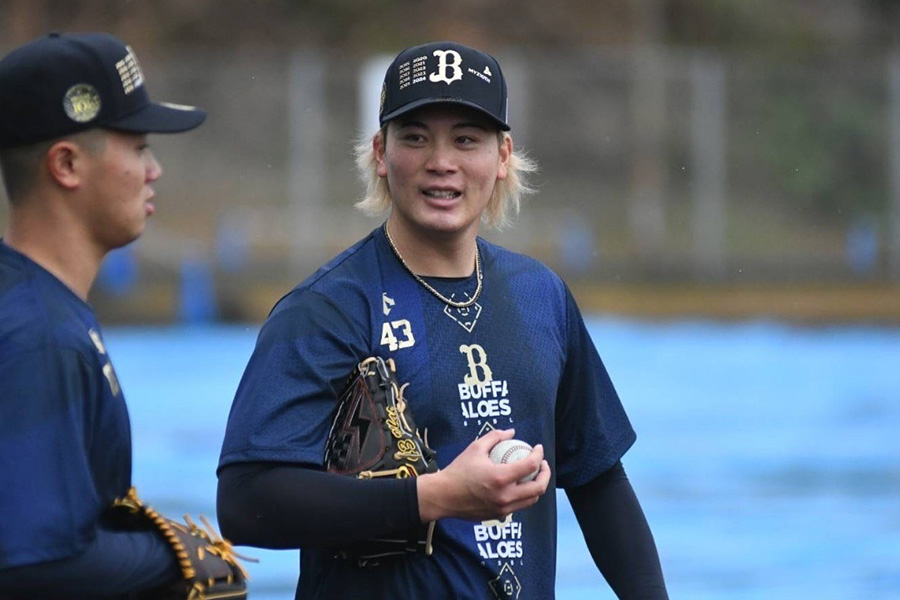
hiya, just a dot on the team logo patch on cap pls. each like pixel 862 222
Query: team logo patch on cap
pixel 82 103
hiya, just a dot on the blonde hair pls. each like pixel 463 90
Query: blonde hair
pixel 505 200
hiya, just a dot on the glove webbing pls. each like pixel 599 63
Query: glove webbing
pixel 216 545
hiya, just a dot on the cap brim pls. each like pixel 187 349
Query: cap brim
pixel 428 101
pixel 160 118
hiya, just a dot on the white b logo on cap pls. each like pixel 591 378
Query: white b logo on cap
pixel 444 66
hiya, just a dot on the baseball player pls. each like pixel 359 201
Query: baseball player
pixel 78 171
pixel 492 346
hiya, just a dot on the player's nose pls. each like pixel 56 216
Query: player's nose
pixel 441 158
pixel 153 169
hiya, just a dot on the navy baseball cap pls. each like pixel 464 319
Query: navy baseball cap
pixel 63 83
pixel 444 72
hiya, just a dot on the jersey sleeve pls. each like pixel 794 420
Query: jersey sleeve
pixel 116 563
pixel 592 428
pixel 282 409
pixel 48 498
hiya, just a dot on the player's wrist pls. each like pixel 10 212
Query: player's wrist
pixel 428 496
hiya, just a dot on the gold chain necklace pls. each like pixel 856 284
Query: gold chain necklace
pixel 478 274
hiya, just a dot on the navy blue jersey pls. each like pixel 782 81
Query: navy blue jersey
pixel 65 439
pixel 520 357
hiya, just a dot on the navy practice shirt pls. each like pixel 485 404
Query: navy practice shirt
pixel 65 439
pixel 519 357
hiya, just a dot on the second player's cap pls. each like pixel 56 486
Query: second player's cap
pixel 60 84
pixel 444 72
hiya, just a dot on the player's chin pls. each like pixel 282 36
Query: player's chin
pixel 116 244
pixel 446 222
pixel 140 225
pixel 130 234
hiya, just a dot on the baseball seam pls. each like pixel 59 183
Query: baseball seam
pixel 509 452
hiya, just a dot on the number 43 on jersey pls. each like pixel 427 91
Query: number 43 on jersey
pixel 397 335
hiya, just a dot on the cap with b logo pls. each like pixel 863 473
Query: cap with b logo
pixel 444 72
pixel 61 84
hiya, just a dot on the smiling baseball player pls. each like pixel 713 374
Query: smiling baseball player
pixel 487 344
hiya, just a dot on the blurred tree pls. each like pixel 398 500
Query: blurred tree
pixel 825 142
pixel 390 24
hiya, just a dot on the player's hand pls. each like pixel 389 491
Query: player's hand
pixel 472 487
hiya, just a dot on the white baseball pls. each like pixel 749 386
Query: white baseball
pixel 510 451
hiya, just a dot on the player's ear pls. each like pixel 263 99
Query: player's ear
pixel 63 160
pixel 379 141
pixel 506 150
